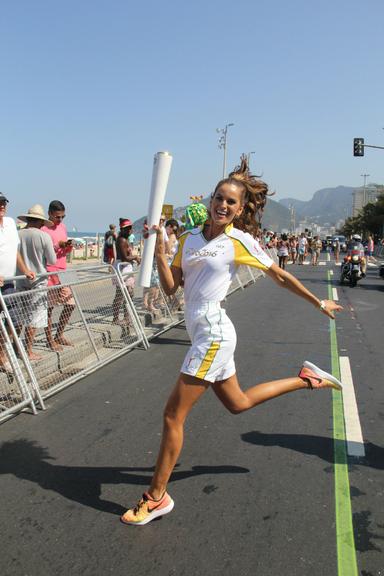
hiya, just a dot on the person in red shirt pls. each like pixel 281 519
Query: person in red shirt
pixel 63 294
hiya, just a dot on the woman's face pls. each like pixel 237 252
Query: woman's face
pixel 226 203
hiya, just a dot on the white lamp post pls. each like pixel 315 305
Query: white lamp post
pixel 249 157
pixel 223 144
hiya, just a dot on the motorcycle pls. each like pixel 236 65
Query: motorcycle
pixel 351 268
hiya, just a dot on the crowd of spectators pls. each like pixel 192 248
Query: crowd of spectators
pixel 306 247
pixel 39 248
pixel 43 245
pixel 123 252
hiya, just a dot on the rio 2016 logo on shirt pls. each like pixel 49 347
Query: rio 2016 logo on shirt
pixel 200 253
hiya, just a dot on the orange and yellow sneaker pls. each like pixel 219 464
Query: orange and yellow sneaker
pixel 315 377
pixel 148 509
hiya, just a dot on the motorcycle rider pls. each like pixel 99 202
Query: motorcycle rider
pixel 356 244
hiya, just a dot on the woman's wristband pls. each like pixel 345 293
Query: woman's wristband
pixel 322 305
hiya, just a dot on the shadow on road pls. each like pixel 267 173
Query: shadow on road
pixel 311 280
pixel 377 286
pixel 162 340
pixel 28 460
pixel 319 446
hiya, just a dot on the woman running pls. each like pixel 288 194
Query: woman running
pixel 206 260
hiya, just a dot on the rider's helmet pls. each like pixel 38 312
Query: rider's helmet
pixel 356 237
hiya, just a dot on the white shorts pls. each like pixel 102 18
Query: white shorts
pixel 33 309
pixel 213 339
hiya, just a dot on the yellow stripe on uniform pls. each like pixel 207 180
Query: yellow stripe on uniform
pixel 244 257
pixel 176 261
pixel 208 359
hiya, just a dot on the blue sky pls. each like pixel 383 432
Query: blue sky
pixel 91 89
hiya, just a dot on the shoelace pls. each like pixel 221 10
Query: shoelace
pixel 307 380
pixel 140 504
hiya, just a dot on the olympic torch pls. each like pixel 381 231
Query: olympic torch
pixel 160 175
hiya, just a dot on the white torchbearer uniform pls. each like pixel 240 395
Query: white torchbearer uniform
pixel 208 270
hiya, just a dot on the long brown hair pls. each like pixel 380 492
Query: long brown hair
pixel 254 199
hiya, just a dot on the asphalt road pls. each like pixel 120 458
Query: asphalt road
pixel 254 494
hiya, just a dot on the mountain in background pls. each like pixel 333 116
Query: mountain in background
pixel 327 206
pixel 275 216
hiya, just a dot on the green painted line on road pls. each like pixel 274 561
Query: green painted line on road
pixel 346 551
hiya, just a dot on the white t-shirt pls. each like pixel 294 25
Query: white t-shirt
pixel 210 266
pixel 9 243
pixel 282 248
pixel 303 242
pixel 165 235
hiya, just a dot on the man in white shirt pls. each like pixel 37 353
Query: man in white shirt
pixel 9 259
pixel 303 247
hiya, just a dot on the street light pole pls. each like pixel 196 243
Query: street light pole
pixel 365 176
pixel 223 145
pixel 249 157
pixel 292 218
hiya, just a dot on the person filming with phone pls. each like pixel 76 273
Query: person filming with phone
pixel 62 295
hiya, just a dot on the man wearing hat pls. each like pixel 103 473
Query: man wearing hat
pixel 9 257
pixel 36 248
pixel 124 255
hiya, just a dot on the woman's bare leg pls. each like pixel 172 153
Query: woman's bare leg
pixel 186 393
pixel 30 333
pixel 236 400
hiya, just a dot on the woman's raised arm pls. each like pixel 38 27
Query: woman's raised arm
pixel 287 280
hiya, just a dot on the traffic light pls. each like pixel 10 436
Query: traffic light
pixel 358 146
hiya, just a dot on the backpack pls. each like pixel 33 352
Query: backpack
pixel 109 240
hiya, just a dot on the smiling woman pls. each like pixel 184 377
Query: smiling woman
pixel 206 261
pixel 244 207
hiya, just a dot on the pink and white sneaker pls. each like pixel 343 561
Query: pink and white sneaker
pixel 148 509
pixel 317 378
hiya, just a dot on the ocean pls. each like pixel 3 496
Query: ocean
pixel 78 234
pixel 93 235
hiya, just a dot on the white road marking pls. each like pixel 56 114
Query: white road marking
pixel 328 256
pixel 353 434
pixel 331 272
pixel 322 263
pixel 334 294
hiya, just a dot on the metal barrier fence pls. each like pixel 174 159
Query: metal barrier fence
pixel 97 313
pixel 156 311
pixel 15 395
pixel 85 334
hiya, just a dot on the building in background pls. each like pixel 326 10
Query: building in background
pixel 363 196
